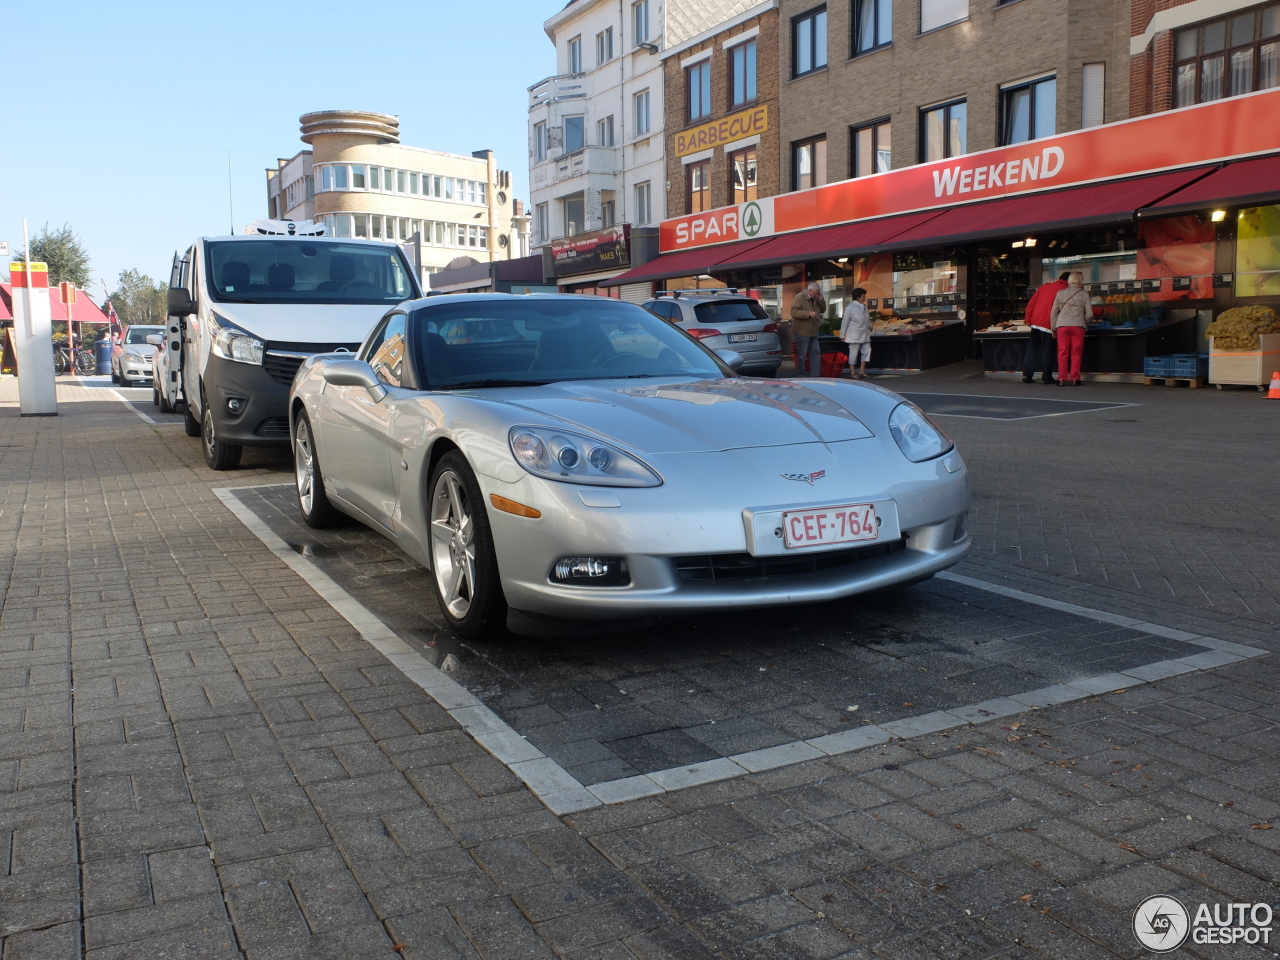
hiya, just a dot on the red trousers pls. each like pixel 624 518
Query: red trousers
pixel 1070 350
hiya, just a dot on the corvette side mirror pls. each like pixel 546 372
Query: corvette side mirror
pixel 353 373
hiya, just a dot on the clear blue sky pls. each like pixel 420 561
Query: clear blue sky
pixel 130 107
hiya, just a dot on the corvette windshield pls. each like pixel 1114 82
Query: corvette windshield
pixel 306 271
pixel 528 340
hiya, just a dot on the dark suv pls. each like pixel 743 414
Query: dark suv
pixel 725 320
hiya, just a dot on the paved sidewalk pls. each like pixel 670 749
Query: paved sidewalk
pixel 204 760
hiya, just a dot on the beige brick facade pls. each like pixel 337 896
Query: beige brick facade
pixel 676 109
pixel 996 45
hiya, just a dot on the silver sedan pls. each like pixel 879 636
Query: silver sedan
pixel 605 466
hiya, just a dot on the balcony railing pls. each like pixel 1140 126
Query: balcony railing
pixel 568 86
pixel 590 159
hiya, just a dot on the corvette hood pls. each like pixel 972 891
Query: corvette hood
pixel 672 416
pixel 318 323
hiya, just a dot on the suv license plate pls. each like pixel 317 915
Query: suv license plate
pixel 813 528
pixel 742 338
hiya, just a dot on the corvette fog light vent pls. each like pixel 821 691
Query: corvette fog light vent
pixel 592 571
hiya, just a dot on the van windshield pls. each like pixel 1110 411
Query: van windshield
pixel 307 271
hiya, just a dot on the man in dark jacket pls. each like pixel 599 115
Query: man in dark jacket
pixel 1041 352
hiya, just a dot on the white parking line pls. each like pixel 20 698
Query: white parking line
pixel 130 404
pixel 563 794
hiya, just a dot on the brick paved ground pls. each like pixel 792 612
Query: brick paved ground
pixel 203 760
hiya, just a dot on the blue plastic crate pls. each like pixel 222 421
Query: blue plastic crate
pixel 1186 366
pixel 1156 366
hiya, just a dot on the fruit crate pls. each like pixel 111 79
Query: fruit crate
pixel 1156 366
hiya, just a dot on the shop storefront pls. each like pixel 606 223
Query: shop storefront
pixel 584 262
pixel 1171 218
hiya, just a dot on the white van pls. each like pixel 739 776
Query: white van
pixel 248 310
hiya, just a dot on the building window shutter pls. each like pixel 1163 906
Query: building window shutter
pixel 1091 97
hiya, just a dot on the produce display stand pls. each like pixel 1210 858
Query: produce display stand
pixel 1248 368
pixel 924 350
pixel 1115 353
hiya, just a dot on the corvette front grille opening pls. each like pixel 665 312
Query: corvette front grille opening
pixel 743 566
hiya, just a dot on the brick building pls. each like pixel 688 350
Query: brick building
pixel 721 103
pixel 871 85
pixel 1184 52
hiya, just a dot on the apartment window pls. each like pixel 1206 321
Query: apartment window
pixel 809 163
pixel 340 177
pixel 362 224
pixel 413 182
pixel 641 107
pixel 809 42
pixel 311 188
pixel 742 73
pixel 388 180
pixel 1029 111
pixel 401 181
pixel 604 46
pixel 373 178
pixel 575 55
pixel 640 21
pixel 698 83
pixel 358 177
pixel 942 131
pixel 644 204
pixel 604 131
pixel 872 146
pixel 608 213
pixel 481 192
pixel 1093 86
pixel 574 215
pixel 326 178
pixel 438 182
pixel 405 232
pixel 939 13
pixel 376 232
pixel 574 133
pixel 1227 57
pixel 872 25
pixel 540 141
pixel 742 170
pixel 698 176
pixel 542 222
pixel 448 188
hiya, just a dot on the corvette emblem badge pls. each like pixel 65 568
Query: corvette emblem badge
pixel 808 478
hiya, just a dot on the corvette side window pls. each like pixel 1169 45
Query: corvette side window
pixel 387 357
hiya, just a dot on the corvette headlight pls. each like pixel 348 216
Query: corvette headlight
pixel 232 343
pixel 917 436
pixel 573 458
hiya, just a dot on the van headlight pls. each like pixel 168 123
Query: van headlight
pixel 573 458
pixel 232 343
pixel 918 437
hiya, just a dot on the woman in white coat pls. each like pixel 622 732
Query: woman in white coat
pixel 855 330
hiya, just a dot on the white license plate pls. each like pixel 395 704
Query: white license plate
pixel 742 338
pixel 827 525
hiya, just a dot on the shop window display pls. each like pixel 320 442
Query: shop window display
pixel 1258 251
pixel 1177 247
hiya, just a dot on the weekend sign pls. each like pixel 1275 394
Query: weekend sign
pixel 1222 130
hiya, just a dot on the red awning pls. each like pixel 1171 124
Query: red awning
pixel 1241 182
pixel 1099 204
pixel 83 310
pixel 838 241
pixel 685 263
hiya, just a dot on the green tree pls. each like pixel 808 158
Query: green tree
pixel 139 299
pixel 62 250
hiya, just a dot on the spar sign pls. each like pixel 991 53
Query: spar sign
pixel 1222 130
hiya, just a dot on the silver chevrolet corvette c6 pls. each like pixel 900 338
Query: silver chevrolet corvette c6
pixel 596 463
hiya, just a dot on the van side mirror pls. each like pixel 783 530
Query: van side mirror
pixel 180 302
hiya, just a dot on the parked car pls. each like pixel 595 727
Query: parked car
pixel 725 319
pixel 606 467
pixel 132 355
pixel 166 390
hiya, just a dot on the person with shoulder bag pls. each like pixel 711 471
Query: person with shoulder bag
pixel 1067 320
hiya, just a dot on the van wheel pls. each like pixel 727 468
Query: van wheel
pixel 314 503
pixel 189 423
pixel 218 455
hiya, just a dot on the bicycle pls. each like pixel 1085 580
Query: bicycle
pixel 85 364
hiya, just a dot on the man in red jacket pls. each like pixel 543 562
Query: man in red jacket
pixel 1041 353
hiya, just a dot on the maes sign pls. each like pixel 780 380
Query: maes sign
pixel 593 252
